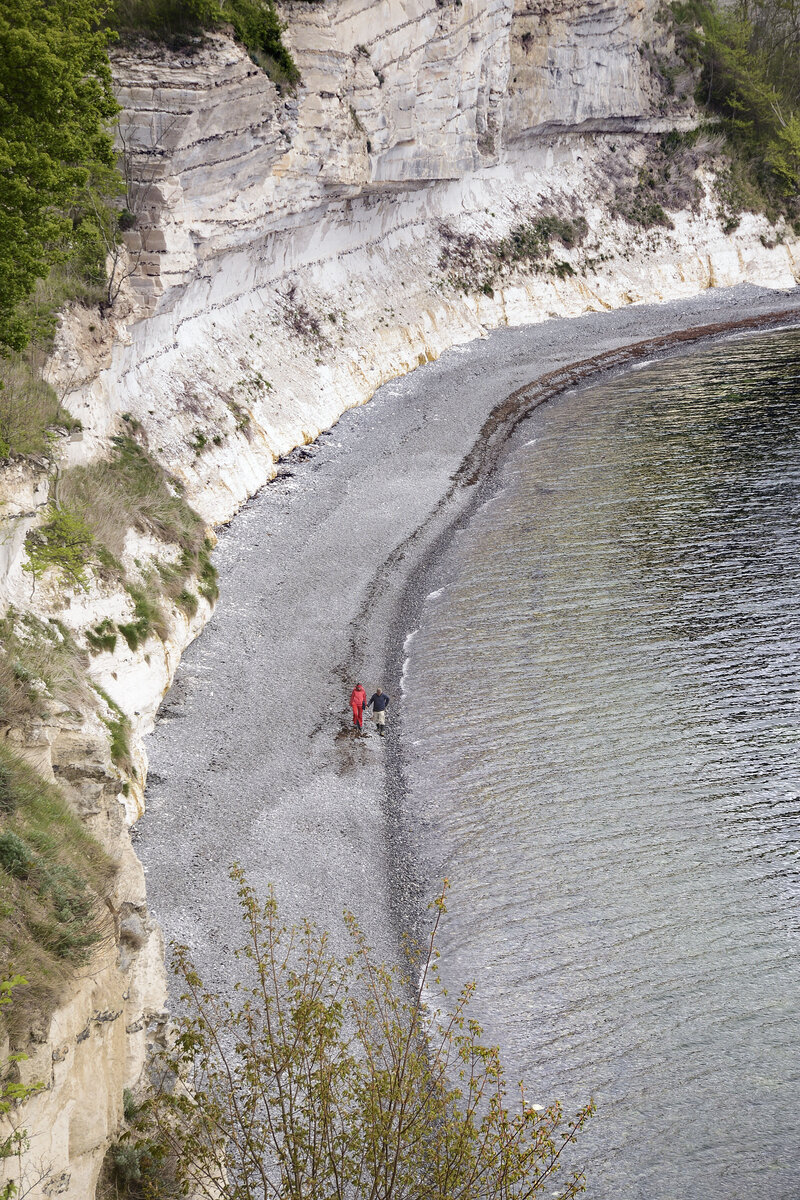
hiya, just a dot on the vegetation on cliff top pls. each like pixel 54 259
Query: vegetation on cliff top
pixel 55 105
pixel 61 190
pixel 179 23
pixel 749 59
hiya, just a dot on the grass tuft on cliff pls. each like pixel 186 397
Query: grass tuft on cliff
pixel 474 263
pixel 31 415
pixel 130 490
pixel 54 878
pixel 98 505
pixel 40 662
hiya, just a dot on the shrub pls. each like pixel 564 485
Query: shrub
pixel 642 205
pixel 103 637
pixel 137 1170
pixel 259 28
pixel 148 619
pixel 64 542
pixel 323 1076
pixel 165 20
pixel 129 1106
pixel 119 728
pixel 29 408
pixel 131 490
pixel 255 23
pixel 15 857
pixel 209 588
pixel 474 264
pixel 187 601
pixel 531 242
pixel 6 790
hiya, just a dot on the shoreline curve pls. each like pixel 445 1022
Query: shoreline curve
pixel 478 470
pixel 326 570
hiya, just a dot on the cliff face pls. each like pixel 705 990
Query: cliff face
pixel 578 66
pixel 290 254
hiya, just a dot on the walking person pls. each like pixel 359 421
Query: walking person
pixel 379 702
pixel 357 700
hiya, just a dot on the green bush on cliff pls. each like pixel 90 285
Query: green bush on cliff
pixel 99 504
pixel 167 20
pixel 30 411
pixel 147 619
pixel 259 28
pixel 130 490
pixel 119 729
pixel 64 542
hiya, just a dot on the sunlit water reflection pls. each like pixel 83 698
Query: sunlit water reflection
pixel 602 722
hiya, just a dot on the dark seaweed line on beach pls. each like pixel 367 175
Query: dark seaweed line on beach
pixel 407 889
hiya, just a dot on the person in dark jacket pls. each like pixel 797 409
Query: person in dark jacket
pixel 357 698
pixel 379 702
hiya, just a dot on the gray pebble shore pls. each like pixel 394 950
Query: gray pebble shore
pixel 321 576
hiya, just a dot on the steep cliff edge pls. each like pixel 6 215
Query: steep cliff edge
pixel 445 168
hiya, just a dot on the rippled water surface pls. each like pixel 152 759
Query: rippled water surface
pixel 602 721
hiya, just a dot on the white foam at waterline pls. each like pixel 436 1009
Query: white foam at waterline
pixel 743 334
pixel 406 647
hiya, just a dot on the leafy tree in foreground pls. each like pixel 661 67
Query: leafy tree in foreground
pixel 320 1076
pixel 55 103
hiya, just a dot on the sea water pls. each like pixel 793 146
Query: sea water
pixel 602 723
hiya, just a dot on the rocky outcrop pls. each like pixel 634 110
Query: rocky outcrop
pixel 578 66
pixel 96 1042
pixel 291 253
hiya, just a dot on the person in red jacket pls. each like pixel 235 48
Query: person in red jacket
pixel 358 699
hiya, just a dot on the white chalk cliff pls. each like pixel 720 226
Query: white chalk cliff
pixel 290 255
